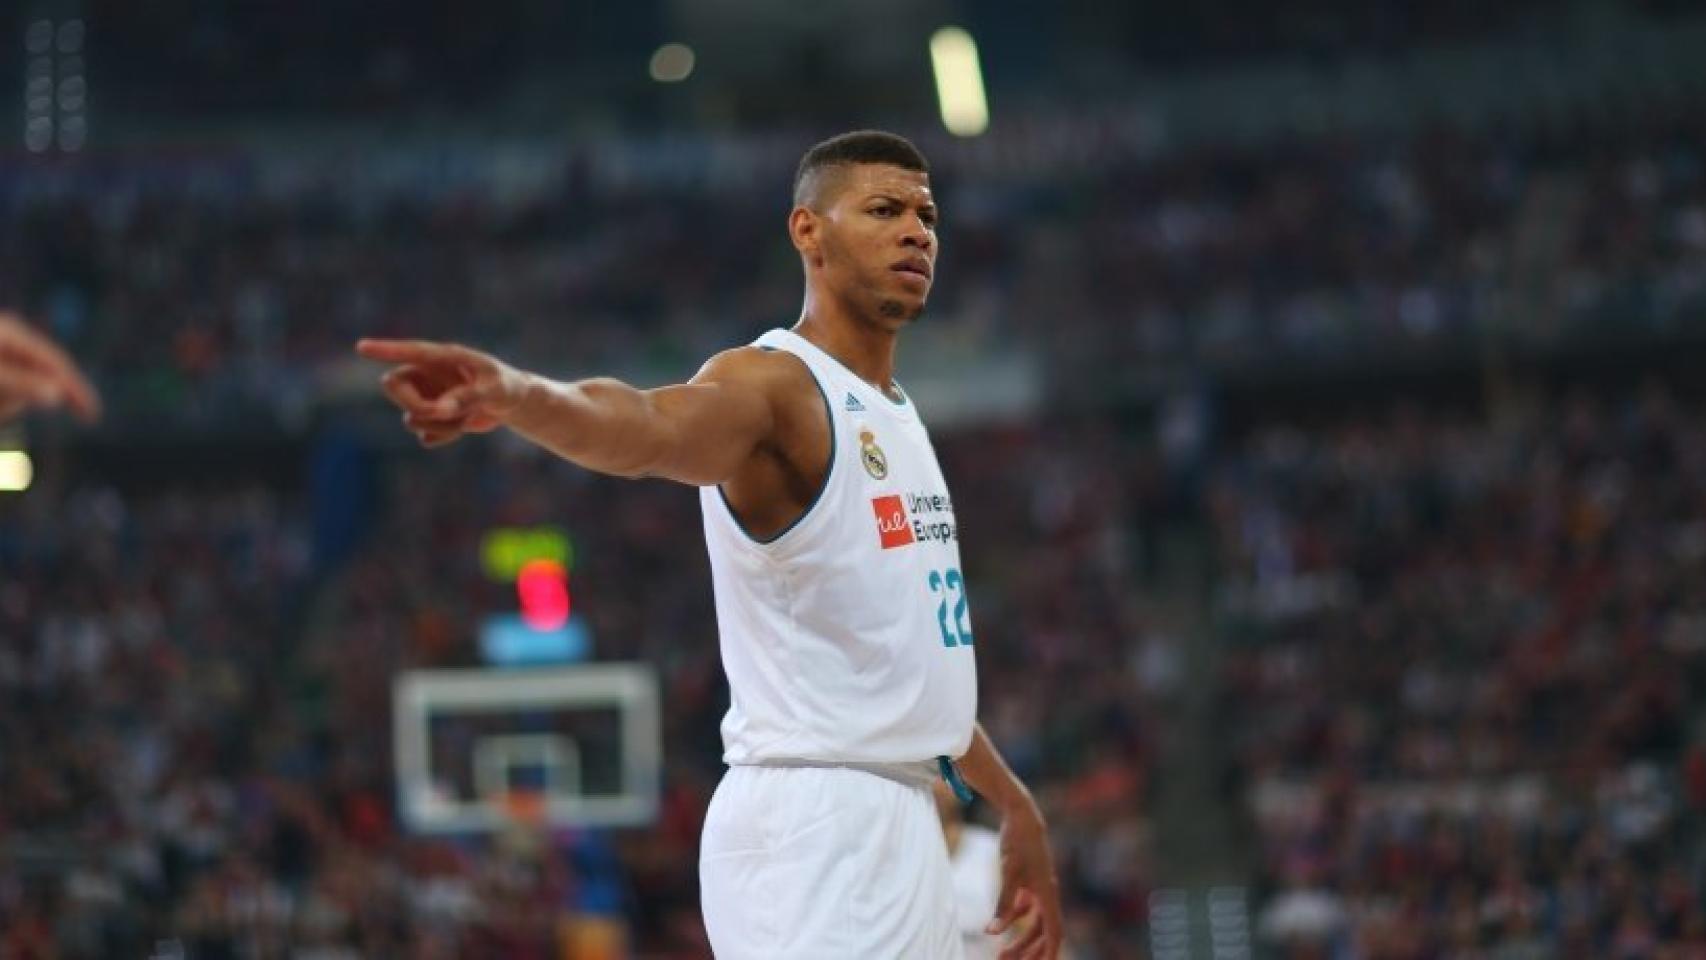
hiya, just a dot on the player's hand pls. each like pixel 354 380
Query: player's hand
pixel 444 389
pixel 1030 892
pixel 36 374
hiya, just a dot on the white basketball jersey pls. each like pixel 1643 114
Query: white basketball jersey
pixel 847 637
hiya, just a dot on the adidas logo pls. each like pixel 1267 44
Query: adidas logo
pixel 853 404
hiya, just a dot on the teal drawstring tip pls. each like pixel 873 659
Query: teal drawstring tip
pixel 951 774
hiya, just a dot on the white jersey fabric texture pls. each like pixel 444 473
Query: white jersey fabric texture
pixel 848 647
pixel 976 867
pixel 847 637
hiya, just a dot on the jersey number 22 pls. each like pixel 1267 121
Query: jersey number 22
pixel 951 586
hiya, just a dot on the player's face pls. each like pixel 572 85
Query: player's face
pixel 879 240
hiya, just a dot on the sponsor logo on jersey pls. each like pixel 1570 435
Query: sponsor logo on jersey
pixel 853 404
pixel 932 517
pixel 893 527
pixel 906 519
pixel 876 462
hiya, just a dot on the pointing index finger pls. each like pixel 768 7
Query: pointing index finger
pixel 402 351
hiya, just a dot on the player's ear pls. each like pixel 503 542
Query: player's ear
pixel 803 226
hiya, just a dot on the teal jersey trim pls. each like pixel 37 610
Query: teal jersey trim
pixel 827 473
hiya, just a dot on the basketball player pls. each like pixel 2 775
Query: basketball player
pixel 36 375
pixel 841 604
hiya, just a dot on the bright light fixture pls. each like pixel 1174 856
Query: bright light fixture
pixel 672 63
pixel 959 82
pixel 16 471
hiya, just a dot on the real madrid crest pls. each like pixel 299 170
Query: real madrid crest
pixel 871 455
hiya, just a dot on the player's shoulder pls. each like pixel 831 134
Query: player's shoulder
pixel 770 371
pixel 779 380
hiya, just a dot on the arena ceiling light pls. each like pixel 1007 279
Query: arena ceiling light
pixel 959 82
pixel 55 86
pixel 16 471
pixel 672 63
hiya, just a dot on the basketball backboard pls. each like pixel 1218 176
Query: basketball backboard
pixel 585 738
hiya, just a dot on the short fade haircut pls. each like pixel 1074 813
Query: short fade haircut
pixel 856 147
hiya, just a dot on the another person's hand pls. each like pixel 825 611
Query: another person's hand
pixel 1029 904
pixel 444 389
pixel 35 374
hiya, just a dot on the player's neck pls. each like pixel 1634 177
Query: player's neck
pixel 865 349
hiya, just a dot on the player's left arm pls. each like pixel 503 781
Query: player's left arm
pixel 1030 891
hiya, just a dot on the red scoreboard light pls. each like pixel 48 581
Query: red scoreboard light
pixel 543 587
pixel 540 629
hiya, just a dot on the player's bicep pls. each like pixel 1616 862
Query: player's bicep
pixel 714 423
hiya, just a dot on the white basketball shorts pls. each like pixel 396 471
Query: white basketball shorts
pixel 827 862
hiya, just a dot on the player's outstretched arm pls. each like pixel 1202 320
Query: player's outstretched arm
pixel 1030 892
pixel 36 374
pixel 698 432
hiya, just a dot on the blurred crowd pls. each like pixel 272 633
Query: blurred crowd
pixel 1468 654
pixel 197 721
pixel 1465 648
pixel 215 296
pixel 142 709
